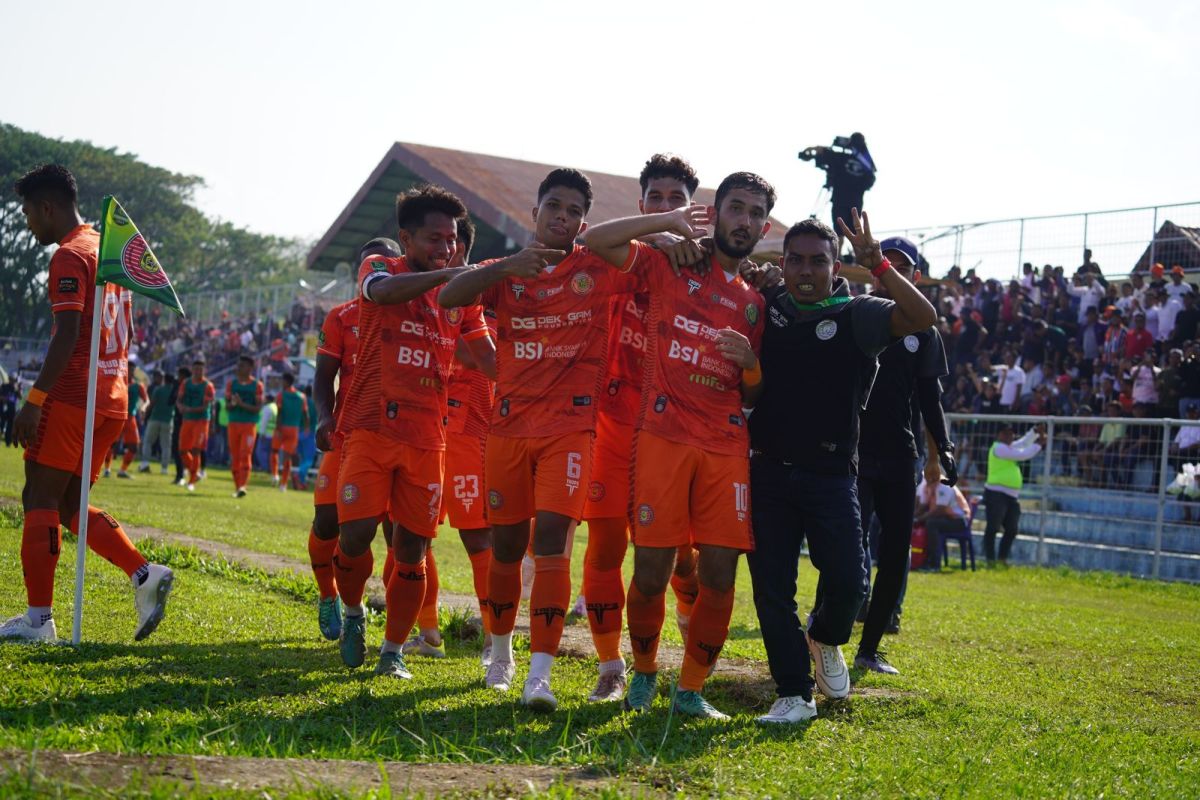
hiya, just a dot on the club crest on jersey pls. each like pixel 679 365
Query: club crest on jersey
pixel 596 491
pixel 349 493
pixel 752 314
pixel 322 481
pixel 495 499
pixel 911 343
pixel 454 315
pixel 693 286
pixel 826 329
pixel 582 283
pixel 518 289
pixel 645 514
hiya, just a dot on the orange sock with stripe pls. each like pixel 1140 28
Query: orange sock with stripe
pixel 405 592
pixel 685 581
pixel 351 574
pixel 706 636
pixel 645 615
pixel 604 586
pixel 480 564
pixel 548 603
pixel 320 555
pixel 504 595
pixel 427 619
pixel 107 539
pixel 41 543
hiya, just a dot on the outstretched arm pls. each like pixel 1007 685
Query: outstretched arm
pixel 464 289
pixel 912 312
pixel 610 240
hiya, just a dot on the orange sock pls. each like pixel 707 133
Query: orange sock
pixel 389 566
pixel 480 563
pixel 405 591
pixel 548 603
pixel 273 462
pixel 41 542
pixel 427 619
pixel 126 460
pixel 645 616
pixel 603 584
pixel 504 595
pixel 287 470
pixel 193 467
pixel 685 581
pixel 320 555
pixel 107 539
pixel 706 636
pixel 352 573
pixel 108 459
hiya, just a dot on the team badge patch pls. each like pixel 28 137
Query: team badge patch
pixel 645 514
pixel 495 499
pixel 911 343
pixel 322 481
pixel 595 491
pixel 752 314
pixel 582 283
pixel 454 315
pixel 349 493
pixel 826 330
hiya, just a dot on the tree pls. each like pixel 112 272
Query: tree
pixel 199 253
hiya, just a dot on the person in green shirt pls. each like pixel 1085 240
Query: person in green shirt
pixel 293 414
pixel 159 415
pixel 244 399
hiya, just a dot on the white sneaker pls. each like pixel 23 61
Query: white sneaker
pixel 19 629
pixel 163 471
pixel 275 480
pixel 789 710
pixel 500 675
pixel 829 668
pixel 580 607
pixel 181 482
pixel 191 487
pixel 150 599
pixel 537 696
pixel 201 474
pixel 107 472
pixel 283 487
pixel 527 569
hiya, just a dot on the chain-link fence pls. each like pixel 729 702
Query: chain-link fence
pixel 1111 493
pixel 1120 241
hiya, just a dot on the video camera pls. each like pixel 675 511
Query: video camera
pixel 841 144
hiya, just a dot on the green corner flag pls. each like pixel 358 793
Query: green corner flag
pixel 127 260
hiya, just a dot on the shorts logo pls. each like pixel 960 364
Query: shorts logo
pixel 349 493
pixel 752 314
pixel 495 499
pixel 392 409
pixel 582 283
pixel 379 266
pixel 322 481
pixel 504 407
pixel 596 491
pixel 826 330
pixel 518 289
pixel 614 386
pixel 68 286
pixel 660 404
pixel 454 315
pixel 911 343
pixel 645 514
pixel 693 286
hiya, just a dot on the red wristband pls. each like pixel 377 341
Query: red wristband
pixel 883 267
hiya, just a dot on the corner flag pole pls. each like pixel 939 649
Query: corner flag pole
pixel 85 485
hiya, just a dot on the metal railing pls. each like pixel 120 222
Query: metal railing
pixel 1120 240
pixel 1102 493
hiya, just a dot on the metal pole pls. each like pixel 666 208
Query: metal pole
pixel 1162 497
pixel 1085 231
pixel 1047 460
pixel 1153 238
pixel 1021 249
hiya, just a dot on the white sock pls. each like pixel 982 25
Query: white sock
pixel 616 665
pixel 353 611
pixel 389 647
pixel 502 647
pixel 39 615
pixel 539 666
pixel 432 635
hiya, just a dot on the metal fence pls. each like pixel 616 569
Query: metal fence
pixel 274 302
pixel 1103 494
pixel 1118 239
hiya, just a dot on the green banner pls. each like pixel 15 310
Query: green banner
pixel 127 260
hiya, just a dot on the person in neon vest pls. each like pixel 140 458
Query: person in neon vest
pixel 1002 490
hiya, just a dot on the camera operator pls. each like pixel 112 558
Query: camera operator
pixel 849 172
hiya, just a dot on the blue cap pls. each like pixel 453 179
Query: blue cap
pixel 901 245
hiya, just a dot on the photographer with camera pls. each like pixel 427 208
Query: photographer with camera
pixel 849 172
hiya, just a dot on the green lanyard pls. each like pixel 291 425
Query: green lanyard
pixel 828 302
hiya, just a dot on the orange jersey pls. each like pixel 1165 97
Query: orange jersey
pixel 627 339
pixel 405 351
pixel 691 394
pixel 339 339
pixel 72 284
pixel 469 402
pixel 551 345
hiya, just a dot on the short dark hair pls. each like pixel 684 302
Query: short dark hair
pixel 414 205
pixel 570 179
pixel 247 358
pixel 289 378
pixel 48 182
pixel 748 181
pixel 466 233
pixel 382 246
pixel 667 165
pixel 813 227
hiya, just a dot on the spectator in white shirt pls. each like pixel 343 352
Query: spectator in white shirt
pixel 1090 294
pixel 1011 378
pixel 942 509
pixel 1145 387
pixel 1166 317
pixel 1177 288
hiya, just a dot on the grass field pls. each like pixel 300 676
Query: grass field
pixel 1023 682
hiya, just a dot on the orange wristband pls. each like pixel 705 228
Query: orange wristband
pixel 35 397
pixel 752 377
pixel 883 267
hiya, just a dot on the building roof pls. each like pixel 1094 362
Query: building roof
pixel 1172 245
pixel 498 191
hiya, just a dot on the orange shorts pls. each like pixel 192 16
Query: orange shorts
pixel 131 436
pixel 462 489
pixel 685 495
pixel 193 435
pixel 326 491
pixel 286 439
pixel 608 490
pixel 545 473
pixel 58 442
pixel 379 473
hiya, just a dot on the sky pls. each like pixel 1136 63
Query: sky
pixel 970 112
